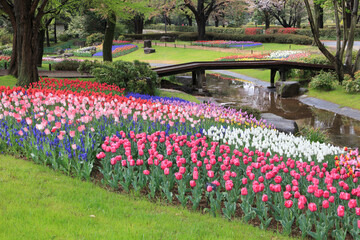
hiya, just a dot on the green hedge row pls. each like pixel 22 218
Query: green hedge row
pixel 263 38
pixel 324 33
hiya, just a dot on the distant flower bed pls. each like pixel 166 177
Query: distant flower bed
pixel 227 44
pixel 248 57
pixel 278 55
pixel 119 50
pixel 77 86
pixel 48 60
pixel 4 60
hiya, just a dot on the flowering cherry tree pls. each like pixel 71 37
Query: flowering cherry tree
pixel 287 12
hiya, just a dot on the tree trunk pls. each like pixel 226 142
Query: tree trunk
pixel 216 21
pixel 47 36
pixel 55 35
pixel 267 19
pixel 298 22
pixel 27 43
pixel 201 23
pixel 13 69
pixel 189 18
pixel 41 47
pixel 109 36
pixel 138 24
pixel 319 15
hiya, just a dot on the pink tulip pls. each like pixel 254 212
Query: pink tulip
pixel 192 183
pixel 288 203
pixel 287 195
pixel 352 203
pixel 264 198
pixel 325 204
pixel 357 210
pixel 244 191
pixel 166 171
pixel 312 207
pixel 244 181
pixel 209 188
pixel 210 174
pixel 341 211
pixel 146 172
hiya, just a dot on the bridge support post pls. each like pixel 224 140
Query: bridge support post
pixel 283 72
pixel 272 78
pixel 198 78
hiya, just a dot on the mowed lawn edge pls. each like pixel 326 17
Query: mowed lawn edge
pixel 39 203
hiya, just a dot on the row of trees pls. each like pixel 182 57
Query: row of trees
pixel 29 18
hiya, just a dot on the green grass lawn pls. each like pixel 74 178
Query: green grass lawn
pixel 338 96
pixel 39 203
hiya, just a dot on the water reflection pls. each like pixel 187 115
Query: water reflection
pixel 343 131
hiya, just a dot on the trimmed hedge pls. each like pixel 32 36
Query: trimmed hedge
pixel 263 38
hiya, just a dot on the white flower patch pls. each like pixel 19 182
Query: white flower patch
pixel 273 141
pixel 282 54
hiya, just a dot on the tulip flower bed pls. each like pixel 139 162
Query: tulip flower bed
pixel 199 155
pixel 119 50
pixel 226 44
pixel 249 57
pixel 278 55
pixel 64 125
pixel 4 60
pixel 76 86
pixel 48 60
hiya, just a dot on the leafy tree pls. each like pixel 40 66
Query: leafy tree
pixel 342 60
pixel 26 17
pixel 202 10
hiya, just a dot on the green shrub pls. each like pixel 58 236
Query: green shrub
pixel 150 36
pixel 314 134
pixel 7 51
pixel 308 74
pixel 5 37
pixel 324 81
pixel 190 36
pixel 133 76
pixel 93 38
pixel 64 37
pixel 67 65
pixel 352 85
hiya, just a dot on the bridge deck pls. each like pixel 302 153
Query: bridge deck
pixel 198 68
pixel 216 65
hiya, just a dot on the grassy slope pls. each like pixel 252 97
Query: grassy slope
pixel 38 203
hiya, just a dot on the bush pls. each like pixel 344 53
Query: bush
pixel 150 36
pixel 352 85
pixel 67 65
pixel 193 36
pixel 314 134
pixel 134 77
pixel 324 81
pixel 93 38
pixel 64 37
pixel 253 31
pixel 5 37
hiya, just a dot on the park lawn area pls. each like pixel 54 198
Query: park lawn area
pixel 338 96
pixel 261 74
pixel 39 203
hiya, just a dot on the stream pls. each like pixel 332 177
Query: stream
pixel 343 131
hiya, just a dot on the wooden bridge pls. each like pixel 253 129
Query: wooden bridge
pixel 198 68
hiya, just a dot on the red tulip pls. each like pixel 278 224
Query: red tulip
pixel 192 183
pixel 325 204
pixel 146 172
pixel 352 203
pixel 357 210
pixel 244 191
pixel 312 207
pixel 287 195
pixel 288 203
pixel 264 198
pixel 341 211
pixel 209 188
pixel 244 181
